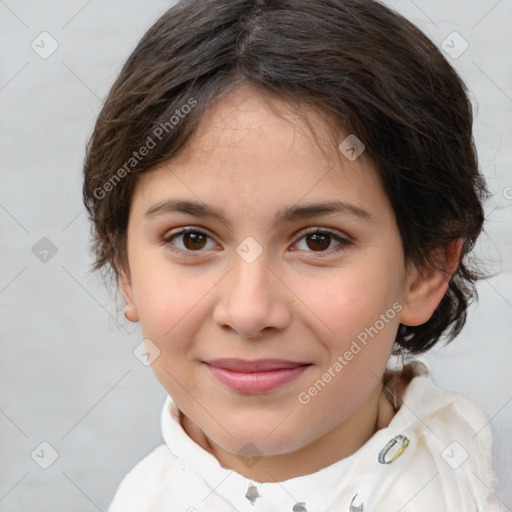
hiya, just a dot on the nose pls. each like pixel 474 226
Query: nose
pixel 253 299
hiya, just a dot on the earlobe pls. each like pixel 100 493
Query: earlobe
pixel 130 310
pixel 425 287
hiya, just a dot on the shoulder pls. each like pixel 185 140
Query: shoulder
pixel 446 441
pixel 148 486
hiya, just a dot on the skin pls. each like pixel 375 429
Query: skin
pixel 297 301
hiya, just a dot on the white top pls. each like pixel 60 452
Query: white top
pixel 434 456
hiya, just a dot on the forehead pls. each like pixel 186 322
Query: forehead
pixel 247 119
pixel 266 152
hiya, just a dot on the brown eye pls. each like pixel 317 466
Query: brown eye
pixel 194 240
pixel 318 242
pixel 322 242
pixel 188 241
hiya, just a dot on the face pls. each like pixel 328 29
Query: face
pixel 233 255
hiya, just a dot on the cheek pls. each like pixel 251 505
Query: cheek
pixel 347 303
pixel 164 296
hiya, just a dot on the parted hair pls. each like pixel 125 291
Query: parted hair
pixel 375 73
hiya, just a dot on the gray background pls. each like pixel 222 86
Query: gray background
pixel 68 373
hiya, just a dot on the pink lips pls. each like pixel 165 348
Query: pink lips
pixel 259 376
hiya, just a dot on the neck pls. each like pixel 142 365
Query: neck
pixel 340 442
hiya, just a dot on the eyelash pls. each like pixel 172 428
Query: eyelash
pixel 343 242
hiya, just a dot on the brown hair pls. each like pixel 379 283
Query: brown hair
pixel 377 75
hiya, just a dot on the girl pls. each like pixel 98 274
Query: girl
pixel 287 193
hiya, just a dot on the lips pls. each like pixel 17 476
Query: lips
pixel 260 365
pixel 254 377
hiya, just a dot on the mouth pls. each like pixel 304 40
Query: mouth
pixel 258 376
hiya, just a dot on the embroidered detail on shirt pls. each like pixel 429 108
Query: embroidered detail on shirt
pixel 353 508
pixel 402 442
pixel 300 507
pixel 252 493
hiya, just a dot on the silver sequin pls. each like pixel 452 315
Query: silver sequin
pixel 401 441
pixel 353 508
pixel 252 494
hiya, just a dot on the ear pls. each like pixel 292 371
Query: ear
pixel 130 311
pixel 426 286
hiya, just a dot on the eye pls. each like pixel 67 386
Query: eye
pixel 189 240
pixel 318 240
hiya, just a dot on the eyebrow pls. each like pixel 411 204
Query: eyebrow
pixel 290 214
